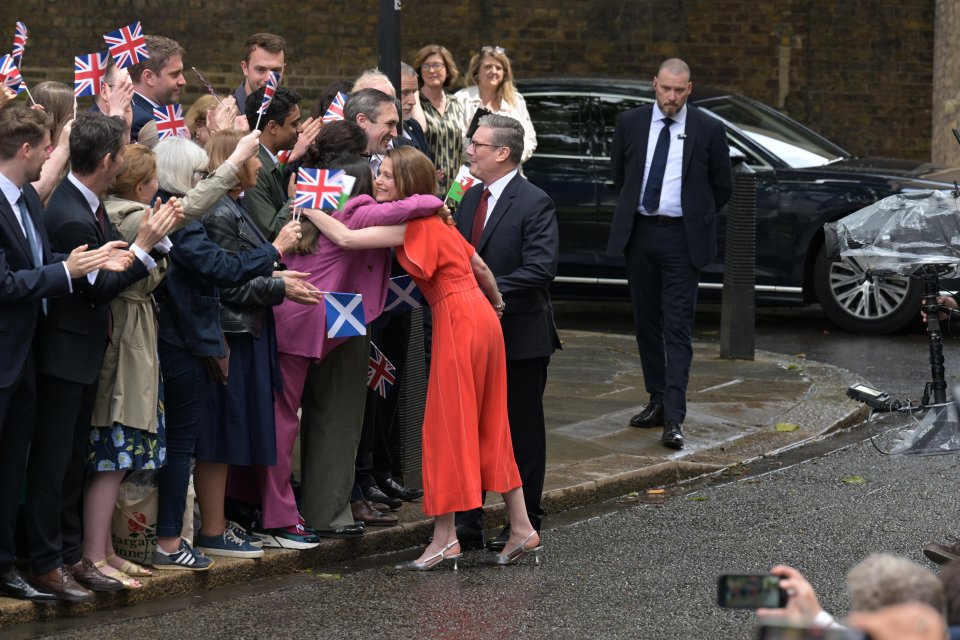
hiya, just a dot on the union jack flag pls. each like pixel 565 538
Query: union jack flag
pixel 335 110
pixel 318 188
pixel 381 374
pixel 19 42
pixel 10 75
pixel 268 90
pixel 170 122
pixel 88 72
pixel 127 45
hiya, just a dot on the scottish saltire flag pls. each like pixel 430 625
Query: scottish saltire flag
pixel 463 181
pixel 19 42
pixel 88 71
pixel 127 45
pixel 318 188
pixel 381 374
pixel 335 110
pixel 268 90
pixel 344 314
pixel 10 75
pixel 402 293
pixel 170 121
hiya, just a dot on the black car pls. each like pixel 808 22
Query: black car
pixel 803 181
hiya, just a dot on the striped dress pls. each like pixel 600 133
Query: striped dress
pixel 445 137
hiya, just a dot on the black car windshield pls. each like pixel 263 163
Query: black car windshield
pixel 793 143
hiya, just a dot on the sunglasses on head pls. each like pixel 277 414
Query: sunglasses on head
pixel 500 51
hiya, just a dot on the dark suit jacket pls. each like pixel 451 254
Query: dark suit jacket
pixel 74 336
pixel 521 245
pixel 706 186
pixel 22 285
pixel 142 114
pixel 417 138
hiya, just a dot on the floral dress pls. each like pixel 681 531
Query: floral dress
pixel 445 136
pixel 120 447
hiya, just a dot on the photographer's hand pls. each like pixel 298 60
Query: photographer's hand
pixel 947 301
pixel 802 600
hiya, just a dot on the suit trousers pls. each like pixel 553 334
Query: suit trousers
pixel 333 401
pixel 56 470
pixel 18 407
pixel 526 382
pixel 663 288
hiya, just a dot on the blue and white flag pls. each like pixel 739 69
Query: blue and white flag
pixel 402 293
pixel 344 314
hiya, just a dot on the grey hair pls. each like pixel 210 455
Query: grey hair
pixel 407 70
pixel 507 132
pixel 366 101
pixel 372 79
pixel 177 160
pixel 883 579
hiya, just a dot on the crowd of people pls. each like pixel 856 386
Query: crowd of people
pixel 163 311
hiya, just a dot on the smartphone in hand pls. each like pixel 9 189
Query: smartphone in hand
pixel 750 591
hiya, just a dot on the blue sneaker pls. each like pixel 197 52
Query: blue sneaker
pixel 184 559
pixel 227 544
pixel 244 535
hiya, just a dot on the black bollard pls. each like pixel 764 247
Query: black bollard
pixel 738 308
pixel 388 60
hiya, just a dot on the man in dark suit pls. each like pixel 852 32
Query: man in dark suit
pixel 30 276
pixel 157 81
pixel 671 164
pixel 265 53
pixel 513 225
pixel 70 350
pixel 410 105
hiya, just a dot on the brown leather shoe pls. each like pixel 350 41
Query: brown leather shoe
pixel 379 506
pixel 366 514
pixel 90 577
pixel 60 583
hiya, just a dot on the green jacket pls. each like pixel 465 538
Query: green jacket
pixel 267 202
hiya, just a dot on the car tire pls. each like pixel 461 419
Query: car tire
pixel 859 304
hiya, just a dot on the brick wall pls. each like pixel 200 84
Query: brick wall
pixel 861 73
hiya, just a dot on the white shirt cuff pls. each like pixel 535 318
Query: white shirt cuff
pixel 69 279
pixel 144 257
pixel 165 245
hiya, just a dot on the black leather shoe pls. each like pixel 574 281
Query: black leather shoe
pixel 394 489
pixel 470 539
pixel 347 532
pixel 498 543
pixel 672 435
pixel 13 585
pixel 651 416
pixel 373 494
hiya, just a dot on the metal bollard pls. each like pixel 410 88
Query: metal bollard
pixel 738 307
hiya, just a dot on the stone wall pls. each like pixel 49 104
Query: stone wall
pixel 861 72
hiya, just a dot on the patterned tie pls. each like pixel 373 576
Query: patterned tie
pixel 479 218
pixel 30 232
pixel 658 167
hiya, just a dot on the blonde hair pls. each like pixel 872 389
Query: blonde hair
pixel 221 145
pixel 506 92
pixel 139 166
pixel 57 100
pixel 197 113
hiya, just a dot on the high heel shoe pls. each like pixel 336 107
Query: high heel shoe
pixel 512 556
pixel 432 562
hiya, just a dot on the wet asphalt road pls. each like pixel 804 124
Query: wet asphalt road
pixel 625 569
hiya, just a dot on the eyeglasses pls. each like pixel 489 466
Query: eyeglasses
pixel 474 143
pixel 434 66
pixel 500 51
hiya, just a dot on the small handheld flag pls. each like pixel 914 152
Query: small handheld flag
pixel 88 72
pixel 10 75
pixel 170 121
pixel 460 185
pixel 127 45
pixel 19 42
pixel 268 90
pixel 318 188
pixel 381 374
pixel 402 294
pixel 335 110
pixel 346 181
pixel 344 314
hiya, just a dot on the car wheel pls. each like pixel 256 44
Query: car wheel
pixel 861 303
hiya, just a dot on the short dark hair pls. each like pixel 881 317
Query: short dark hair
pixel 161 49
pixel 92 137
pixel 366 101
pixel 20 124
pixel 284 100
pixel 267 42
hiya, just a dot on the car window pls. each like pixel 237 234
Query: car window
pixel 556 118
pixel 606 110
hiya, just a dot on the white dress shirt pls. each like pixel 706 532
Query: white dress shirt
pixel 673 177
pixel 496 190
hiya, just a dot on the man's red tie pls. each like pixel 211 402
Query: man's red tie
pixel 479 218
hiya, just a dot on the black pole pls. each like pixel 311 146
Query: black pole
pixel 738 306
pixel 388 60
pixel 929 304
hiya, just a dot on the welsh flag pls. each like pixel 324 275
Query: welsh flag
pixel 460 185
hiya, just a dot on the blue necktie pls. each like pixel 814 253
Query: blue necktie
pixel 658 167
pixel 35 249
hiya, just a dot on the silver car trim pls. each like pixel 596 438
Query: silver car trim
pixel 766 288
